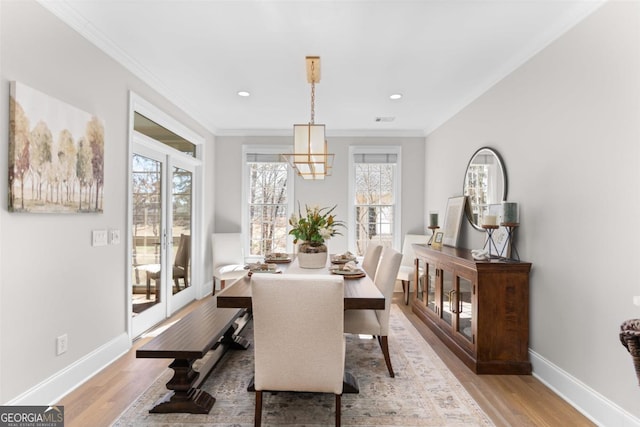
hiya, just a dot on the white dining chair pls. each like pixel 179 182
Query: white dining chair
pixel 407 271
pixel 228 258
pixel 376 322
pixel 371 259
pixel 299 343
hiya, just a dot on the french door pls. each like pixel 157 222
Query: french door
pixel 162 184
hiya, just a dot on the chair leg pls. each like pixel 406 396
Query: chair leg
pixel 338 409
pixel 406 289
pixel 384 345
pixel 258 416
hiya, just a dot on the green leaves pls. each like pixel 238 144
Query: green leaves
pixel 318 225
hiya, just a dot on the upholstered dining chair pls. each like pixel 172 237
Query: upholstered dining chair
pixel 180 267
pixel 299 343
pixel 371 259
pixel 228 258
pixel 376 322
pixel 407 271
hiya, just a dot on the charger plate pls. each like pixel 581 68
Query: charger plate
pixel 349 274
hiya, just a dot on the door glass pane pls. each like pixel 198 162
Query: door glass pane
pixel 465 307
pixel 431 288
pixel 447 296
pixel 161 134
pixel 181 200
pixel 147 220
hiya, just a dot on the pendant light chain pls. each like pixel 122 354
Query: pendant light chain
pixel 313 93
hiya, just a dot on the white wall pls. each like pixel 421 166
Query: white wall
pixel 567 125
pixel 331 191
pixel 51 280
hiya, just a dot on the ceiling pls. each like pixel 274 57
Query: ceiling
pixel 439 54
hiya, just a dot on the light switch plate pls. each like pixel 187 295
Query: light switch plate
pixel 99 238
pixel 636 300
pixel 114 237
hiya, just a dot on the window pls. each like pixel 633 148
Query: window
pixel 269 196
pixel 374 197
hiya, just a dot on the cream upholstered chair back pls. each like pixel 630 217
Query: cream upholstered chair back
pixel 298 332
pixel 227 249
pixel 371 259
pixel 385 281
pixel 228 257
pixel 408 254
pixel 407 271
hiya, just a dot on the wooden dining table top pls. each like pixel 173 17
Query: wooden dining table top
pixel 359 293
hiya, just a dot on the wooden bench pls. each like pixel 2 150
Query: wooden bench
pixel 206 329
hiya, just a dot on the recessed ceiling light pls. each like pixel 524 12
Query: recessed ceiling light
pixel 243 93
pixel 395 96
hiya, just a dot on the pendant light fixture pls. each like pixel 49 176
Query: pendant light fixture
pixel 310 157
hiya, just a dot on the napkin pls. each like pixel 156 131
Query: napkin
pixel 346 255
pixel 351 266
pixel 480 254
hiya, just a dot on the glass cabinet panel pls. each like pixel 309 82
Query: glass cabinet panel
pixel 430 295
pixel 465 308
pixel 448 297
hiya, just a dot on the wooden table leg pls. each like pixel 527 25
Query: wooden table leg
pixel 182 396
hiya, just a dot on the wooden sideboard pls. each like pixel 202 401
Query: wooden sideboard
pixel 479 309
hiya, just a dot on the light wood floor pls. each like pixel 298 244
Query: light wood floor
pixel 509 400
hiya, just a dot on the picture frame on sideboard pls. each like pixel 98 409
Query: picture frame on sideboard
pixel 453 220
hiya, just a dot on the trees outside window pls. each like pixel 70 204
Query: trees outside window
pixel 375 197
pixel 269 203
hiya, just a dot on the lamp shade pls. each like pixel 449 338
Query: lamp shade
pixel 310 157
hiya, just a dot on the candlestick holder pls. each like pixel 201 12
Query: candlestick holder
pixel 433 229
pixel 511 239
pixel 490 229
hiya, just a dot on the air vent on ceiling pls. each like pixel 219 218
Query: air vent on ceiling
pixel 385 119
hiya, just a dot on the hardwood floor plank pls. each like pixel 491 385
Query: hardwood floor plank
pixel 509 400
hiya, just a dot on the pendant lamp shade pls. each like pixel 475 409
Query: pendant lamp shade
pixel 310 157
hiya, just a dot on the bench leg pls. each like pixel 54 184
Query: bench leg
pixel 232 337
pixel 183 397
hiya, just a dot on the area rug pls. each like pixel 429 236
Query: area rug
pixel 423 393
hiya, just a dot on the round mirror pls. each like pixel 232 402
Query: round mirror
pixel 485 185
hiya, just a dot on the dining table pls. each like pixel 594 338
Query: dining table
pixel 360 293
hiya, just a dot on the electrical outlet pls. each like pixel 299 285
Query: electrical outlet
pixel 62 344
pixel 636 300
pixel 114 237
pixel 99 238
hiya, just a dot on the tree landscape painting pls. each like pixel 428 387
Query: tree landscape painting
pixel 56 155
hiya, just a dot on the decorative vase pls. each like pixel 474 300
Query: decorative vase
pixel 312 255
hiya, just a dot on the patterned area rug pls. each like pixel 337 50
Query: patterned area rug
pixel 423 393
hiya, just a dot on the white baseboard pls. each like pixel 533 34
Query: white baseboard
pixel 51 390
pixel 593 405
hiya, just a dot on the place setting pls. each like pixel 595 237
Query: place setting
pixel 262 267
pixel 277 258
pixel 348 270
pixel 343 258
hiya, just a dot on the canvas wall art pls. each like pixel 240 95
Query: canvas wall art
pixel 56 155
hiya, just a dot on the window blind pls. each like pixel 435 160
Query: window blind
pixel 375 158
pixel 264 158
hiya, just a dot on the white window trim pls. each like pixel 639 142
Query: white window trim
pixel 397 191
pixel 263 149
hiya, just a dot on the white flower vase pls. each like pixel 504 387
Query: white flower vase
pixel 312 256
